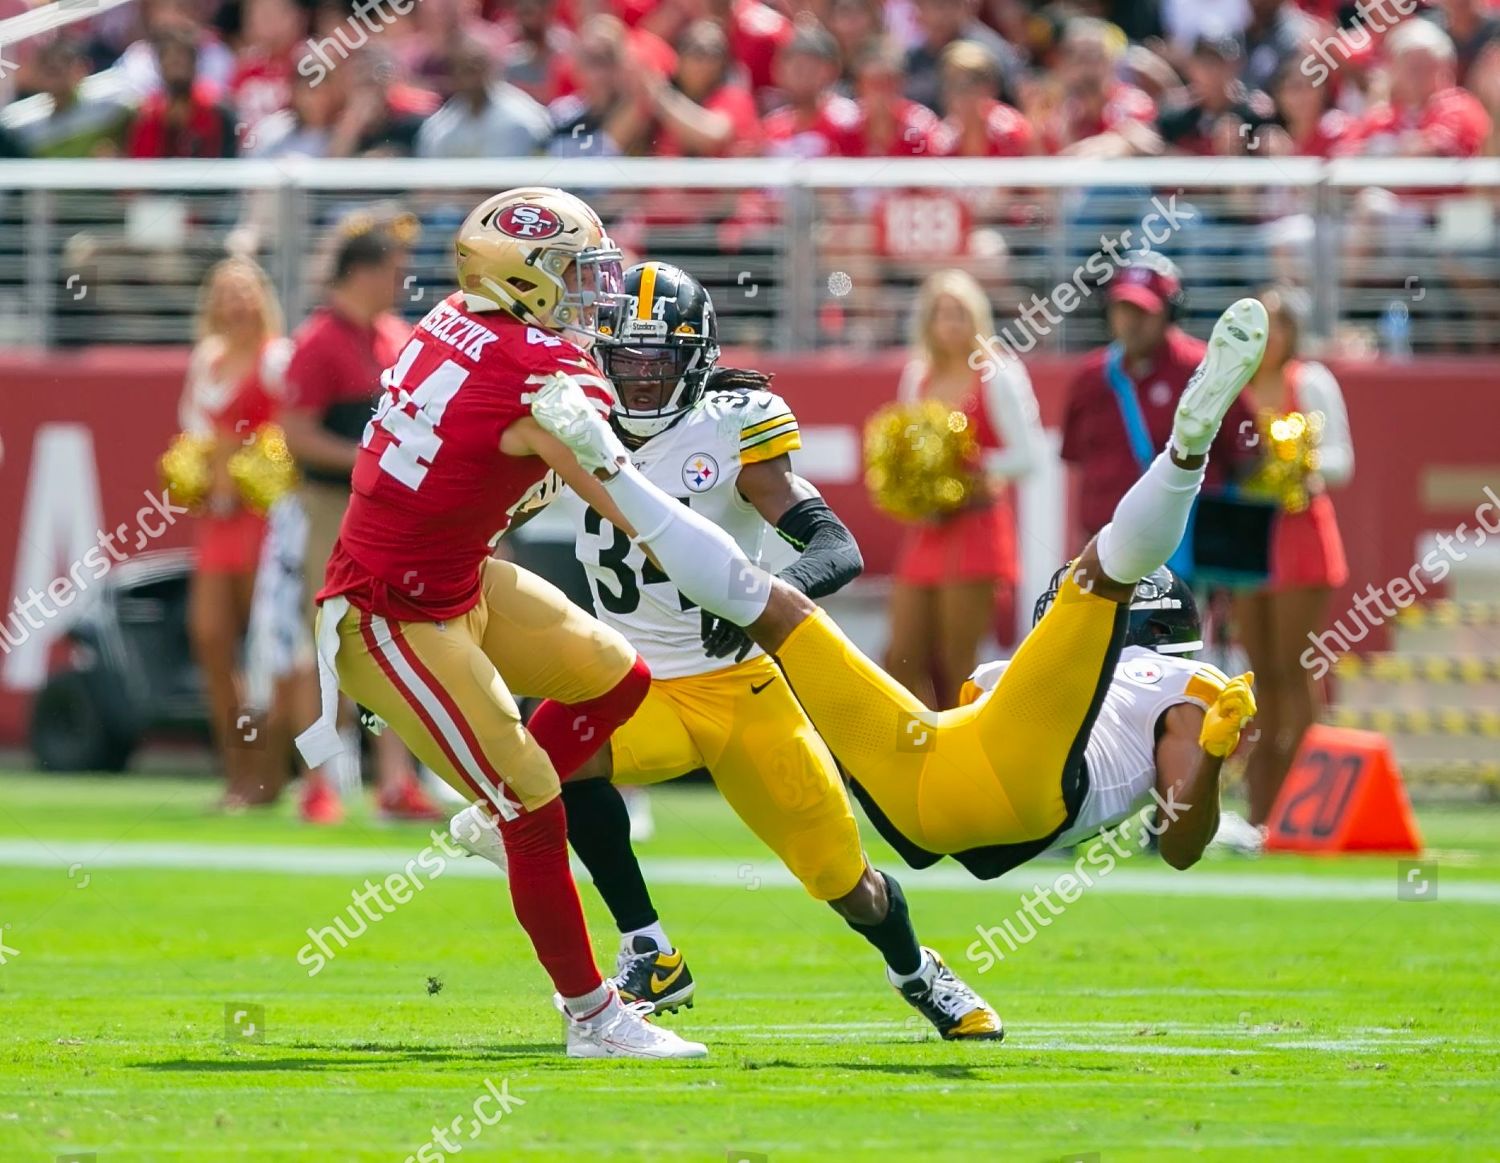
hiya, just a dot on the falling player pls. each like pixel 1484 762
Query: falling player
pixel 718 441
pixel 998 780
pixel 422 627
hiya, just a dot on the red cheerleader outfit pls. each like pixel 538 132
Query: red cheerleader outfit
pixel 1307 550
pixel 230 542
pixel 973 544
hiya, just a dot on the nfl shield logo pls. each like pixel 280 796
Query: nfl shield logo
pixel 1144 670
pixel 700 473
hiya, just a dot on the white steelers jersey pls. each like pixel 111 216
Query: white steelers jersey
pixel 698 461
pixel 1121 751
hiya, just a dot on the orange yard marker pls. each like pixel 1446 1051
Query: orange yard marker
pixel 1343 794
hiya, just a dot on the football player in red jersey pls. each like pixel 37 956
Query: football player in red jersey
pixel 421 626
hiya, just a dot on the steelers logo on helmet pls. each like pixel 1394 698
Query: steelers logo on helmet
pixel 661 347
pixel 528 222
pixel 700 473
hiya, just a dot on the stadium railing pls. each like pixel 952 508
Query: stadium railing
pixel 1401 254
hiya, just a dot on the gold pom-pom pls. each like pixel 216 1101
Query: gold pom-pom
pixel 263 470
pixel 184 469
pixel 921 460
pixel 1288 471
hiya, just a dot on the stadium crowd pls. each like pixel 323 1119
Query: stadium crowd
pixel 736 78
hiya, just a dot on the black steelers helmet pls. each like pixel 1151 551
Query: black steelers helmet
pixel 1163 613
pixel 660 341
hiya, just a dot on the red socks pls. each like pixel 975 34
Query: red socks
pixel 571 732
pixel 546 899
pixel 536 843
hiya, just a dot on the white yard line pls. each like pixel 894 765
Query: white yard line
pixel 692 871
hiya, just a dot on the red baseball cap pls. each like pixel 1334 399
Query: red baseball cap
pixel 1150 287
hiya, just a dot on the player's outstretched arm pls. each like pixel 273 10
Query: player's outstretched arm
pixel 525 437
pixel 706 564
pixel 1187 781
pixel 1189 758
pixel 829 556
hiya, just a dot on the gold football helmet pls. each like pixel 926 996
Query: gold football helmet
pixel 539 254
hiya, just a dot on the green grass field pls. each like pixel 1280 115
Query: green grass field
pixel 1236 1010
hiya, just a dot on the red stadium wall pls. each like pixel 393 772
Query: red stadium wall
pixel 80 434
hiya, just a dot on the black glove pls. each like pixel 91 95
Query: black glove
pixel 722 638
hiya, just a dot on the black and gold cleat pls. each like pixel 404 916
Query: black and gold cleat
pixel 645 973
pixel 956 1011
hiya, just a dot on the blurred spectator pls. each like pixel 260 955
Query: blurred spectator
pixel 942 22
pixel 889 125
pixel 815 122
pixel 1150 73
pixel 537 40
pixel 185 119
pixel 953 568
pixel 1310 127
pixel 604 117
pixel 705 112
pixel 270 33
pixel 1121 400
pixel 1275 622
pixel 855 25
pixel 306 127
pixel 1139 20
pixel 17 70
pixel 978 124
pixel 1426 116
pixel 75 126
pixel 1186 22
pixel 233 381
pixel 331 385
pixel 426 42
pixel 1277 32
pixel 138 62
pixel 485 117
pixel 1217 114
pixel 1485 79
pixel 757 32
pixel 1099 115
pixel 382 115
pixel 1471 25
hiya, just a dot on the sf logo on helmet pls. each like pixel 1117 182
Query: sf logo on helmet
pixel 529 222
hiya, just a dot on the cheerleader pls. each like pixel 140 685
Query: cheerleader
pixel 954 569
pixel 233 381
pixel 1306 552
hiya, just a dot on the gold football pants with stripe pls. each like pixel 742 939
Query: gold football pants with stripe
pixel 768 762
pixel 446 687
pixel 975 776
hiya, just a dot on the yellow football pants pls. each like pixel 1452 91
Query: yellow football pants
pixel 980 775
pixel 768 762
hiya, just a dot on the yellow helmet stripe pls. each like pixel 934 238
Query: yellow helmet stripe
pixel 648 292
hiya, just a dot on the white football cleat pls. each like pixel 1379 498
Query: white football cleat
pixel 563 410
pixel 1234 352
pixel 1238 835
pixel 622 1031
pixel 475 831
